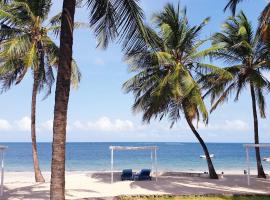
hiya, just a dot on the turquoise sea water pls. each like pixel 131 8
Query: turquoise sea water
pixel 96 157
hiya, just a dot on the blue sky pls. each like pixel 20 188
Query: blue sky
pixel 100 111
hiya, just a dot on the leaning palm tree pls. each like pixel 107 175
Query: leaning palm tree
pixel 264 18
pixel 110 20
pixel 164 84
pixel 24 45
pixel 240 47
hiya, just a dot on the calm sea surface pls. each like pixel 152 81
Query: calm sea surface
pixel 96 157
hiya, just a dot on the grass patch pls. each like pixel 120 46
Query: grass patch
pixel 226 197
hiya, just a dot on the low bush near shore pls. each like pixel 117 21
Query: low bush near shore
pixel 225 197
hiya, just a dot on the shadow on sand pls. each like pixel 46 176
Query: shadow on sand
pixel 170 185
pixel 105 177
pixel 181 185
pixel 30 192
pixel 199 185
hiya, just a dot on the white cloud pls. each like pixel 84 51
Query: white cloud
pixel 99 61
pixel 79 126
pixel 5 125
pixel 227 125
pixel 47 125
pixel 104 124
pixel 23 124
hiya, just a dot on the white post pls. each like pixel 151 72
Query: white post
pixel 156 162
pixel 248 175
pixel 2 174
pixel 112 165
pixel 152 167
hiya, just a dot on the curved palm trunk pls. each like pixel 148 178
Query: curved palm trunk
pixel 57 188
pixel 260 170
pixel 38 175
pixel 211 169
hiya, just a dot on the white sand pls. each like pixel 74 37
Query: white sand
pixel 79 185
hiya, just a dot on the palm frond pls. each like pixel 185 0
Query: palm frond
pixel 260 102
pixel 223 97
pixel 232 4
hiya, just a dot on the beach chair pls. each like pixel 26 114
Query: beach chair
pixel 127 175
pixel 143 175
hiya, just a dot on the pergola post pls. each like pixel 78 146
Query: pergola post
pixel 152 164
pixel 111 165
pixel 2 149
pixel 247 146
pixel 156 162
pixel 248 175
pixel 2 173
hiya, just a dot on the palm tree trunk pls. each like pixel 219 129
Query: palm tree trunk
pixel 38 175
pixel 211 169
pixel 57 188
pixel 260 170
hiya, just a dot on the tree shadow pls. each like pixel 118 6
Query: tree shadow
pixel 100 198
pixel 170 185
pixel 199 186
pixel 28 192
pixel 37 191
pixel 105 177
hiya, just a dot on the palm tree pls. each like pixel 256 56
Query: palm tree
pixel 164 83
pixel 264 18
pixel 240 47
pixel 109 20
pixel 24 45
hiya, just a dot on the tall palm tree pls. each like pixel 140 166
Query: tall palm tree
pixel 164 83
pixel 239 46
pixel 110 20
pixel 264 18
pixel 25 45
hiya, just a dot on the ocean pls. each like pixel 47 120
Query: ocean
pixel 171 157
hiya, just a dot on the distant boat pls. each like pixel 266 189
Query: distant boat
pixel 211 156
pixel 267 159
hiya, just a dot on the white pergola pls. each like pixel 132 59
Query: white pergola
pixel 248 146
pixel 2 150
pixel 152 149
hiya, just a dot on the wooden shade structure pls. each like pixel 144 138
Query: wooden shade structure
pixel 2 150
pixel 248 146
pixel 152 149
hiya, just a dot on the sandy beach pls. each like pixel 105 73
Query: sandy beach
pixel 89 185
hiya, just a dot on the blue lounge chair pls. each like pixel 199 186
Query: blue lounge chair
pixel 143 175
pixel 127 175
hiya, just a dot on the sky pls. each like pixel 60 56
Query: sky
pixel 99 110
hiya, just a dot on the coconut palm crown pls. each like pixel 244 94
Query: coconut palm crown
pixel 264 18
pixel 25 45
pixel 164 84
pixel 248 57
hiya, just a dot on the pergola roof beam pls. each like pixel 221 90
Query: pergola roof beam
pixel 125 148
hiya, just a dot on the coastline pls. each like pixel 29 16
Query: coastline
pixel 160 172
